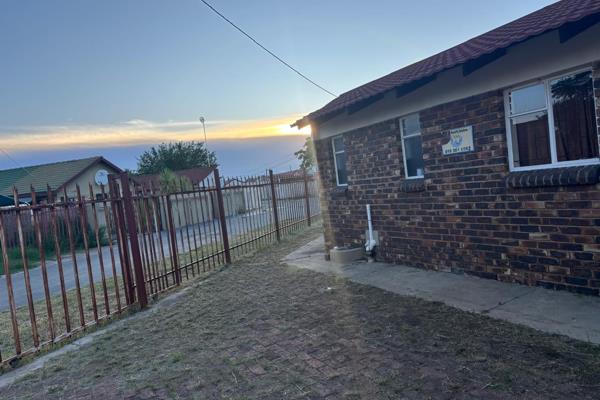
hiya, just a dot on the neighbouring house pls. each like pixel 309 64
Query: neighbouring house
pixel 481 159
pixel 59 177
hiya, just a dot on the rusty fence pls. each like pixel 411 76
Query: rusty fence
pixel 72 260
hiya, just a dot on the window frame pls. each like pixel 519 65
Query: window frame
pixel 554 163
pixel 335 153
pixel 403 137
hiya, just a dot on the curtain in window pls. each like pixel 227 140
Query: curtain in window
pixel 575 117
pixel 533 142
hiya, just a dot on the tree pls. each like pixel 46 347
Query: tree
pixel 171 183
pixel 175 156
pixel 306 154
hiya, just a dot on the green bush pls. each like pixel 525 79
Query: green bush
pixel 15 260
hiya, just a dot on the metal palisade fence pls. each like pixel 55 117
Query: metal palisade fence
pixel 71 260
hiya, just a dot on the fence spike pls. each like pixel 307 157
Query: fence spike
pixel 74 258
pixel 32 318
pixel 84 232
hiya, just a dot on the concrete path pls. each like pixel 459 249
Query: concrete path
pixel 563 313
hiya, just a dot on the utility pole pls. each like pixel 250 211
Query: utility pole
pixel 204 129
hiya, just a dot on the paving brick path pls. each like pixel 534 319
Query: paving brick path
pixel 262 330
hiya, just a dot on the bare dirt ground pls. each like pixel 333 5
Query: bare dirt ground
pixel 261 330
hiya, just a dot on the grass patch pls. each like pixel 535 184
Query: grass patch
pixel 7 344
pixel 200 270
pixel 15 260
pixel 15 257
pixel 261 329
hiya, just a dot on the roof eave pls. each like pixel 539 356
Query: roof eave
pixel 567 30
pixel 98 160
pixel 301 123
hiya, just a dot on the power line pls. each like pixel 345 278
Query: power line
pixel 288 161
pixel 265 49
pixel 289 158
pixel 15 162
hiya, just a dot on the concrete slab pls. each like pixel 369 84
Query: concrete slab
pixel 565 313
pixel 549 311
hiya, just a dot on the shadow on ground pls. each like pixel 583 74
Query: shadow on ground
pixel 260 329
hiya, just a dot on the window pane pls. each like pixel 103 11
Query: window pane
pixel 529 98
pixel 574 117
pixel 338 144
pixel 530 137
pixel 413 154
pixel 411 125
pixel 342 174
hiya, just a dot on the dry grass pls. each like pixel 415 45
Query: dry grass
pixel 260 329
pixel 190 274
pixel 7 343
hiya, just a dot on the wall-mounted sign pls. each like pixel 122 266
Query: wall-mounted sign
pixel 461 141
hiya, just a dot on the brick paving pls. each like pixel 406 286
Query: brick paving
pixel 263 330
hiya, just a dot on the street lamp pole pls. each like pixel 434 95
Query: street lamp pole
pixel 204 129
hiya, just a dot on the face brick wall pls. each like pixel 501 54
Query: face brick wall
pixel 467 218
pixel 596 76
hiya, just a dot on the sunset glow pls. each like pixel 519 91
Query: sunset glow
pixel 141 132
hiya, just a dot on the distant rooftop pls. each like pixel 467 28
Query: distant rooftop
pixel 55 175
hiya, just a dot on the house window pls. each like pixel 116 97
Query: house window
pixel 553 123
pixel 412 149
pixel 339 158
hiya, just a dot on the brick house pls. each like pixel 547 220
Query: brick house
pixel 482 159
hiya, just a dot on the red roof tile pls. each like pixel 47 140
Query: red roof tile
pixel 534 24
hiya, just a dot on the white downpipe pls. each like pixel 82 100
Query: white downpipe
pixel 370 242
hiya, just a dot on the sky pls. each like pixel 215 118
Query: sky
pixel 114 77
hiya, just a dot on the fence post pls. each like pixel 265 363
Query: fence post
pixel 306 196
pixel 140 282
pixel 222 219
pixel 274 201
pixel 121 231
pixel 173 241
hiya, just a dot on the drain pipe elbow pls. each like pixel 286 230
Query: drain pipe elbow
pixel 370 244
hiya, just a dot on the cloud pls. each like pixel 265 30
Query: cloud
pixel 139 131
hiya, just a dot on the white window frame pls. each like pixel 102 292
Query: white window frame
pixel 554 163
pixel 335 153
pixel 402 137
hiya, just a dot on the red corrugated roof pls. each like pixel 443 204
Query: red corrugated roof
pixel 548 18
